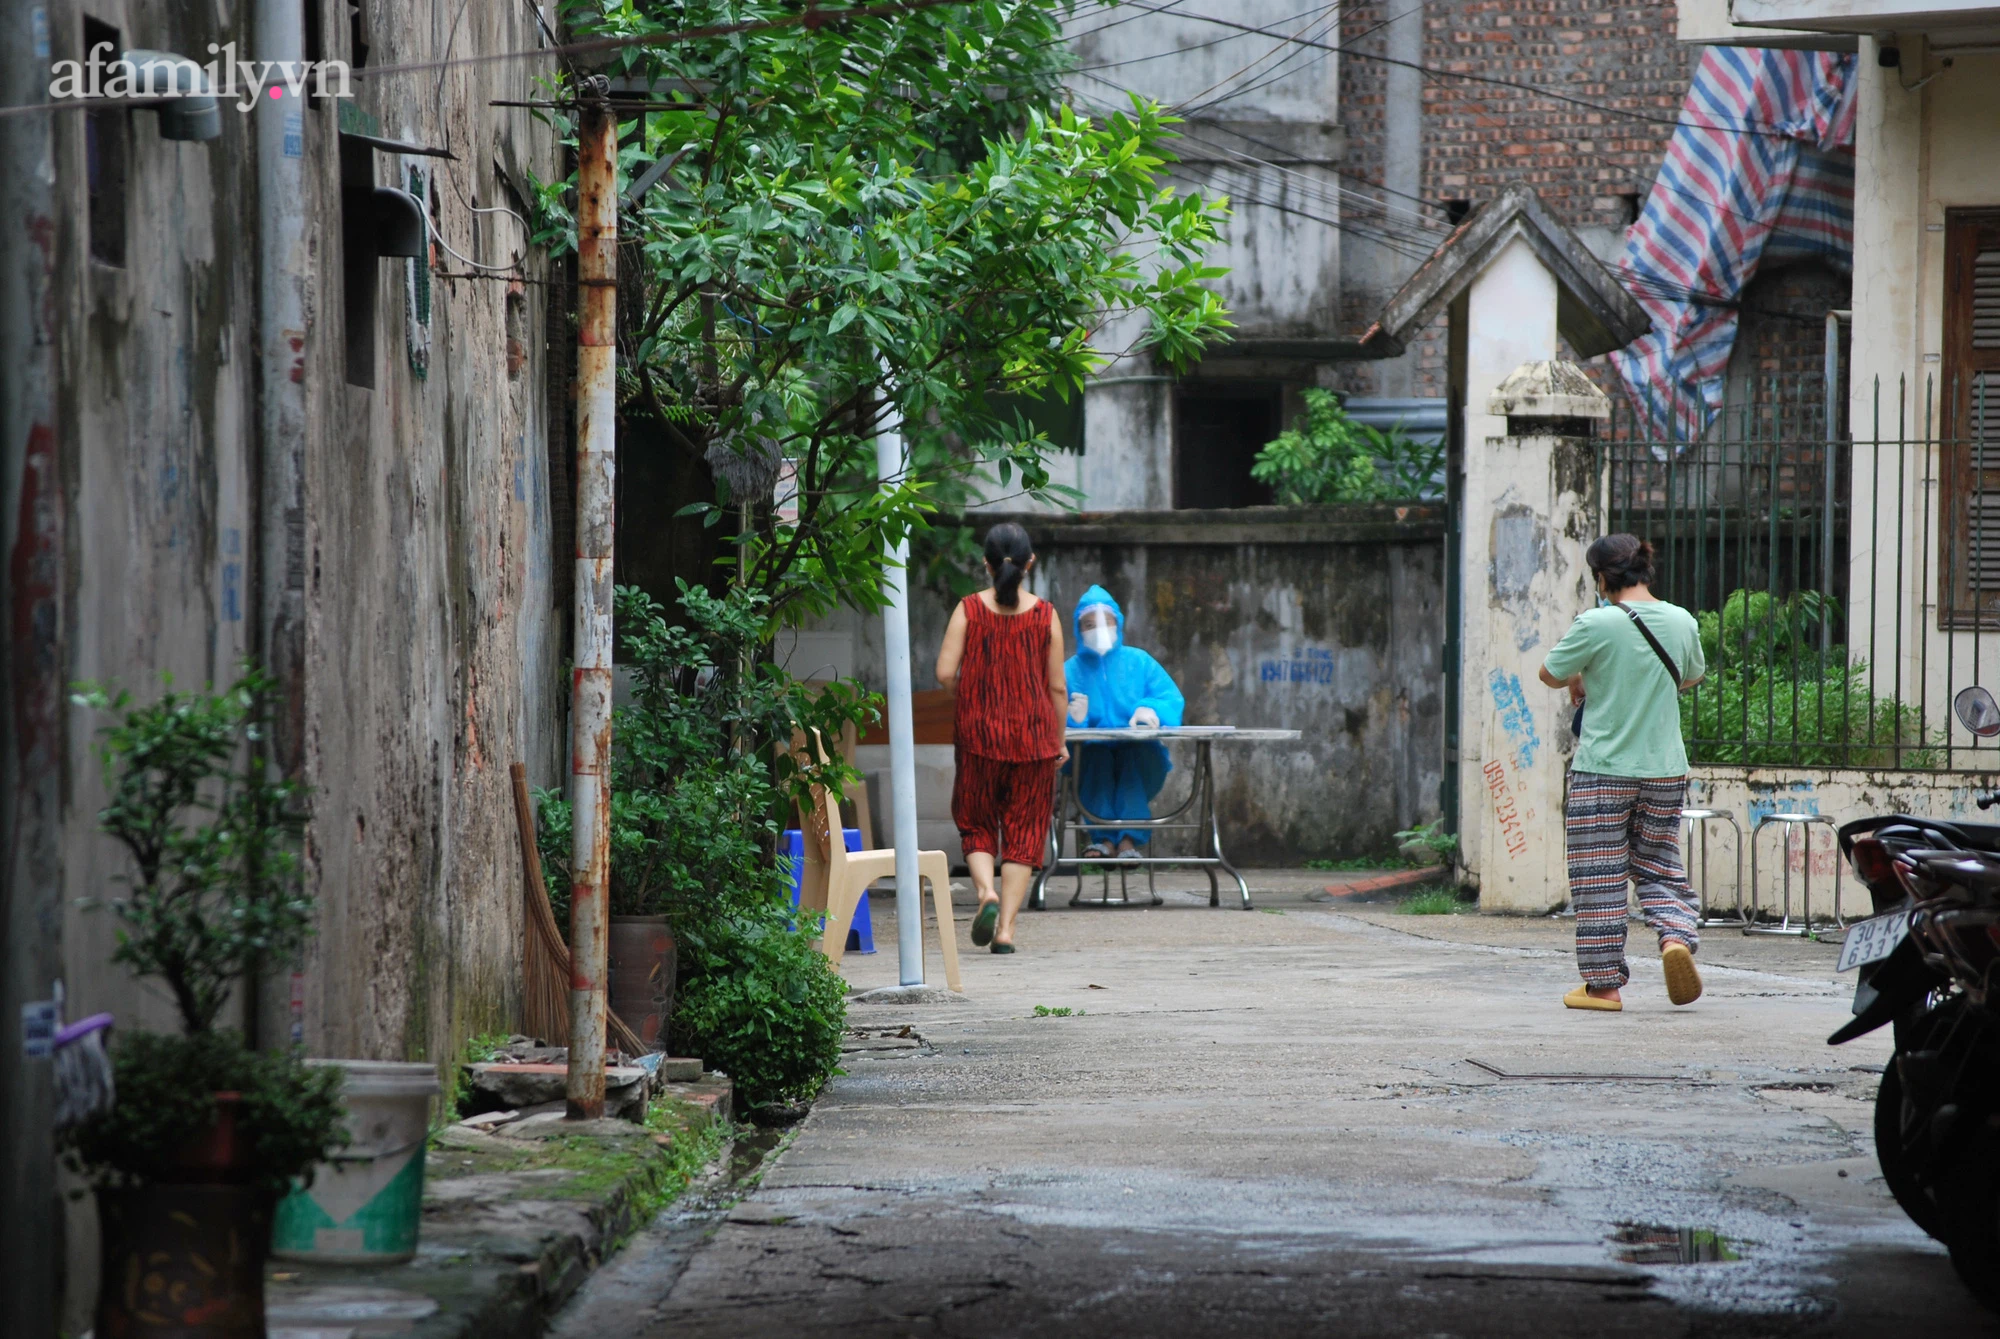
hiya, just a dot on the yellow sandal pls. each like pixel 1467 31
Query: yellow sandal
pixel 1581 998
pixel 1683 981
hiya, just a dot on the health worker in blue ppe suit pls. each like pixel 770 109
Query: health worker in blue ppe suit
pixel 1112 685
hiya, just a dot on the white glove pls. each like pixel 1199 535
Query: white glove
pixel 1145 718
pixel 1079 708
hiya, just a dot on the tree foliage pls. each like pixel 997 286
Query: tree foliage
pixel 701 766
pixel 872 222
pixel 702 775
pixel 1327 457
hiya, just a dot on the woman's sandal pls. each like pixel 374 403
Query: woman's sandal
pixel 1683 981
pixel 999 947
pixel 1095 851
pixel 984 921
pixel 1581 998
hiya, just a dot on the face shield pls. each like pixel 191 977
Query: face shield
pixel 1099 628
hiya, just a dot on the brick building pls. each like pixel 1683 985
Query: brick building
pixel 1487 112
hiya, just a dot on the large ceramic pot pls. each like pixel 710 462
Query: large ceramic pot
pixel 642 976
pixel 182 1260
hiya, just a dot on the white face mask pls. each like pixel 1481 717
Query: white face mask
pixel 1100 639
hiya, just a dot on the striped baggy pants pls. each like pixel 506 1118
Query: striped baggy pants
pixel 1624 830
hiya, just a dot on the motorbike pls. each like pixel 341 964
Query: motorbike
pixel 1928 959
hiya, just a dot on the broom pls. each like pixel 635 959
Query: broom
pixel 544 956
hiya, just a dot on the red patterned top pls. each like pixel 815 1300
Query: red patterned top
pixel 1003 709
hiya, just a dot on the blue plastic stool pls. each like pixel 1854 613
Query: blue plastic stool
pixel 861 934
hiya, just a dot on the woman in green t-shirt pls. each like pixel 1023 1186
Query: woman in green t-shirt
pixel 1628 660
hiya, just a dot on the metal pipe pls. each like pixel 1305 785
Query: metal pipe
pixel 590 682
pixel 890 462
pixel 278 521
pixel 1831 392
pixel 34 655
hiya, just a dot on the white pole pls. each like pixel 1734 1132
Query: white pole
pixel 889 465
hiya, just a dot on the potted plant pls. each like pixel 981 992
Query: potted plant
pixel 698 770
pixel 205 1132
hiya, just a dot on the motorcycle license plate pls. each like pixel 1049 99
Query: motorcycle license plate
pixel 1873 939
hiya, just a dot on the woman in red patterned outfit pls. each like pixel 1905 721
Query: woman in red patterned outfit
pixel 1002 659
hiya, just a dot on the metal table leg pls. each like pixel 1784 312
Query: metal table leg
pixel 1205 765
pixel 1197 814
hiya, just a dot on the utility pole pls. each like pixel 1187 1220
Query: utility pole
pixel 890 463
pixel 590 683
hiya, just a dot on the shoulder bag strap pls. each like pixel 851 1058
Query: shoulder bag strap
pixel 1673 670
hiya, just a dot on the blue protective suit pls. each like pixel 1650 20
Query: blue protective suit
pixel 1119 780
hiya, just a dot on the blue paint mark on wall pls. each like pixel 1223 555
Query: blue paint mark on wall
pixel 1797 797
pixel 1527 639
pixel 520 481
pixel 1515 717
pixel 1307 665
pixel 232 575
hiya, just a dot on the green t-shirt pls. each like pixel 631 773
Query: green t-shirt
pixel 1632 718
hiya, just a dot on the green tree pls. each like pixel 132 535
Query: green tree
pixel 1327 457
pixel 873 221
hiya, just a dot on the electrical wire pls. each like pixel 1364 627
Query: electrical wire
pixel 1284 44
pixel 1333 194
pixel 1295 62
pixel 1106 27
pixel 1180 51
pixel 809 17
pixel 1434 72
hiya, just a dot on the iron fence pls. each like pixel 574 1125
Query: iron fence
pixel 1846 583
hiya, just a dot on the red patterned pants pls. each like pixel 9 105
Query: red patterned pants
pixel 1004 808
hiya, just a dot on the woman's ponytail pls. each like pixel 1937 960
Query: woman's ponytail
pixel 1008 552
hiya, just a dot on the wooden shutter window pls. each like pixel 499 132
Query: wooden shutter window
pixel 1970 400
pixel 1986 300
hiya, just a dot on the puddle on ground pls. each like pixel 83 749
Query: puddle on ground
pixel 1655 1244
pixel 746 1159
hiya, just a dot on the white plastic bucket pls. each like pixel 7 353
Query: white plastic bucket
pixel 366 1202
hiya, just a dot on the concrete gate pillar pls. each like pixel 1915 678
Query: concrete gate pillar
pixel 1531 506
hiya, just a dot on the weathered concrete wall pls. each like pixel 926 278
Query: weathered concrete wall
pixel 1751 794
pixel 1328 621
pixel 433 640
pixel 431 643
pixel 1269 138
pixel 158 401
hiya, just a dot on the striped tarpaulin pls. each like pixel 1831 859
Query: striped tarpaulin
pixel 1760 165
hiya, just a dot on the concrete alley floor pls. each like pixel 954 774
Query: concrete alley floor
pixel 1272 1124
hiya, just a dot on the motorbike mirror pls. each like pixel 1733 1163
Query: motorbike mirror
pixel 1977 712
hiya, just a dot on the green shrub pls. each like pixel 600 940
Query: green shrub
pixel 1431 843
pixel 292 1113
pixel 760 1003
pixel 698 792
pixel 1775 697
pixel 701 786
pixel 215 888
pixel 215 892
pixel 1327 457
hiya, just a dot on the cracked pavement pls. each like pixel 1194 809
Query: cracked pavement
pixel 1269 1124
